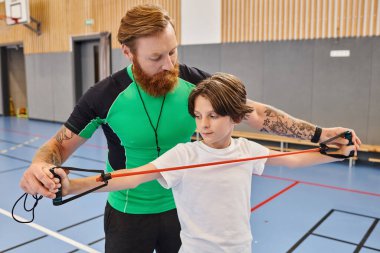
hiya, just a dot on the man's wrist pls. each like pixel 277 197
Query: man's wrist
pixel 317 135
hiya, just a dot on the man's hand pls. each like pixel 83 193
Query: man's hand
pixel 328 133
pixel 346 150
pixel 37 179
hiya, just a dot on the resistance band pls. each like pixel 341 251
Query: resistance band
pixel 104 177
pixel 110 175
pixel 322 149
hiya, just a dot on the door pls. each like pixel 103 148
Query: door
pixel 86 54
pixel 13 81
pixel 92 61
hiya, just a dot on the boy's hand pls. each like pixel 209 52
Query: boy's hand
pixel 65 181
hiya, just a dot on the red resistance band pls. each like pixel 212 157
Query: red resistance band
pixel 108 176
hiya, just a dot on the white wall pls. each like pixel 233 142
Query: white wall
pixel 200 22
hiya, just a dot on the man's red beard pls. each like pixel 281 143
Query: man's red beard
pixel 159 84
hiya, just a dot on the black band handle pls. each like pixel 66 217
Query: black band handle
pixel 58 199
pixel 348 136
pixel 58 196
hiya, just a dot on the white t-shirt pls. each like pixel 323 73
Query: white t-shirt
pixel 213 203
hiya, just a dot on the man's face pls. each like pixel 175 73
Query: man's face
pixel 155 65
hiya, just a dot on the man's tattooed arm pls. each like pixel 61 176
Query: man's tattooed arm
pixel 280 123
pixel 49 155
pixel 63 135
pixel 52 151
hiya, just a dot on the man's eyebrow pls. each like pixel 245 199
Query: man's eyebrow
pixel 155 55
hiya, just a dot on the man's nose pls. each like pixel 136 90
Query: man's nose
pixel 168 64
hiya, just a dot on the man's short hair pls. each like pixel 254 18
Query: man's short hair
pixel 141 21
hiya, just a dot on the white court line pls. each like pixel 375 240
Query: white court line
pixel 52 233
pixel 18 145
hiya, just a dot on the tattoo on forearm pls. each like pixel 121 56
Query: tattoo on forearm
pixel 50 156
pixel 282 124
pixel 62 135
pixel 52 153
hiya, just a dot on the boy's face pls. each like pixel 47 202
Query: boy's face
pixel 215 130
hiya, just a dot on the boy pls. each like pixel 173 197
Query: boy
pixel 213 203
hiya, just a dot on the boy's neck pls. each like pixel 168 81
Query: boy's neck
pixel 217 145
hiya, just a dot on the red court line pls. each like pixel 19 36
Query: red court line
pixel 325 186
pixel 307 183
pixel 274 196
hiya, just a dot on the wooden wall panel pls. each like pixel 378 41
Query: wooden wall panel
pixel 62 19
pixel 242 20
pixel 271 20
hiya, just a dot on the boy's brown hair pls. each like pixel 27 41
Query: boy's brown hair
pixel 141 21
pixel 226 94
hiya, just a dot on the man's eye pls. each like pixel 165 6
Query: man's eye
pixel 155 58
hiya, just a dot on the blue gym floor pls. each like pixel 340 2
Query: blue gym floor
pixel 321 209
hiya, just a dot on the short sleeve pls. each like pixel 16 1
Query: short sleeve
pixel 84 119
pixel 92 108
pixel 257 150
pixel 172 158
pixel 192 74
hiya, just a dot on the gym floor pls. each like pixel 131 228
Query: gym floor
pixel 326 208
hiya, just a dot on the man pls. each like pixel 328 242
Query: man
pixel 143 112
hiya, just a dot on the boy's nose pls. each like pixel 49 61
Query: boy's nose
pixel 205 123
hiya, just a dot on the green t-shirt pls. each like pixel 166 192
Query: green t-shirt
pixel 115 104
